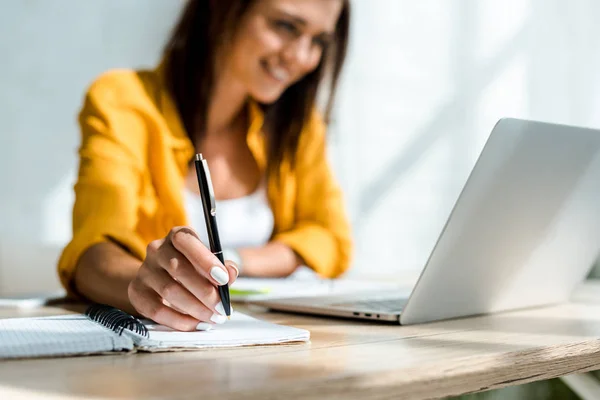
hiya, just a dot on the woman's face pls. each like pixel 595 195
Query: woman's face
pixel 278 42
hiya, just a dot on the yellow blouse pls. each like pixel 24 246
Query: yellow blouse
pixel 134 156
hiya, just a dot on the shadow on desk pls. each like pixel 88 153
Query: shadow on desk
pixel 540 320
pixel 345 359
pixel 552 389
pixel 269 373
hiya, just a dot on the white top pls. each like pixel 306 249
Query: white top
pixel 243 222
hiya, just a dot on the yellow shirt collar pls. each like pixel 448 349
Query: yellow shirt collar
pixel 179 139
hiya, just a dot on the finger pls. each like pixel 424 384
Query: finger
pixel 166 303
pixel 234 272
pixel 202 326
pixel 178 267
pixel 175 294
pixel 186 241
pixel 149 304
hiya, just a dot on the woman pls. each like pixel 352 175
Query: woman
pixel 238 83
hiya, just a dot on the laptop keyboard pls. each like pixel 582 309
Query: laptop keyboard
pixel 390 305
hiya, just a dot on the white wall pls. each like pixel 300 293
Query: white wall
pixel 51 50
pixel 425 82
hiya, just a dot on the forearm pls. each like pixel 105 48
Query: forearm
pixel 103 274
pixel 275 259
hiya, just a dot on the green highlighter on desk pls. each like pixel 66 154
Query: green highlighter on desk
pixel 248 292
pixel 303 282
pixel 250 289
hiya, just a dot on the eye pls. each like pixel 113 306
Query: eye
pixel 321 42
pixel 286 26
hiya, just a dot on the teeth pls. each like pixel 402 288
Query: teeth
pixel 279 74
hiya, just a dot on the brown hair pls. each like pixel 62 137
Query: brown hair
pixel 190 72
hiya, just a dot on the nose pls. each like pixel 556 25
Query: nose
pixel 299 52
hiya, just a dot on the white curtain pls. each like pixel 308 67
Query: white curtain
pixel 425 83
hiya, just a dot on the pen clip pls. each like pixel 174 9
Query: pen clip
pixel 211 193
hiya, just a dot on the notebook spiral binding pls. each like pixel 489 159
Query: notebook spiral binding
pixel 116 320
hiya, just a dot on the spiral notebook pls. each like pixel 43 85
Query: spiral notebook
pixel 105 330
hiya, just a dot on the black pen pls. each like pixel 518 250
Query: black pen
pixel 210 216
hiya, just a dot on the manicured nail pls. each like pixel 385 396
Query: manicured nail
pixel 237 271
pixel 220 309
pixel 203 326
pixel 218 319
pixel 182 235
pixel 219 275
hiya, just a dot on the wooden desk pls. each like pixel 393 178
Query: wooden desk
pixel 345 359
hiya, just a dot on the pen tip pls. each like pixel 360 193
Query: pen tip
pixel 199 157
pixel 229 317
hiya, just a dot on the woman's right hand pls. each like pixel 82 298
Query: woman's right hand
pixel 177 283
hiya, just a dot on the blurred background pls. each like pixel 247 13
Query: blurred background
pixel 424 84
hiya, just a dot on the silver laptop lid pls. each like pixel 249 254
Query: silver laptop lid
pixel 525 229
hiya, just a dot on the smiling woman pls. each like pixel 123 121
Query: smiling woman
pixel 238 83
pixel 275 52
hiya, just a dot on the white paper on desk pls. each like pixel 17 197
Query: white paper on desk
pixel 32 300
pixel 241 330
pixel 304 283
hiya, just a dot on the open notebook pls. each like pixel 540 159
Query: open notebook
pixel 79 335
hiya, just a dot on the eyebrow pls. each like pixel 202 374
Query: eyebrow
pixel 302 21
pixel 297 19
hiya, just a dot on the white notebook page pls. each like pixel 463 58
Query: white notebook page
pixel 57 336
pixel 241 330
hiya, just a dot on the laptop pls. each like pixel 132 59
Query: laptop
pixel 524 232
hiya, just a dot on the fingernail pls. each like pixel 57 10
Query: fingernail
pixel 203 326
pixel 237 271
pixel 219 275
pixel 218 319
pixel 220 309
pixel 182 235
